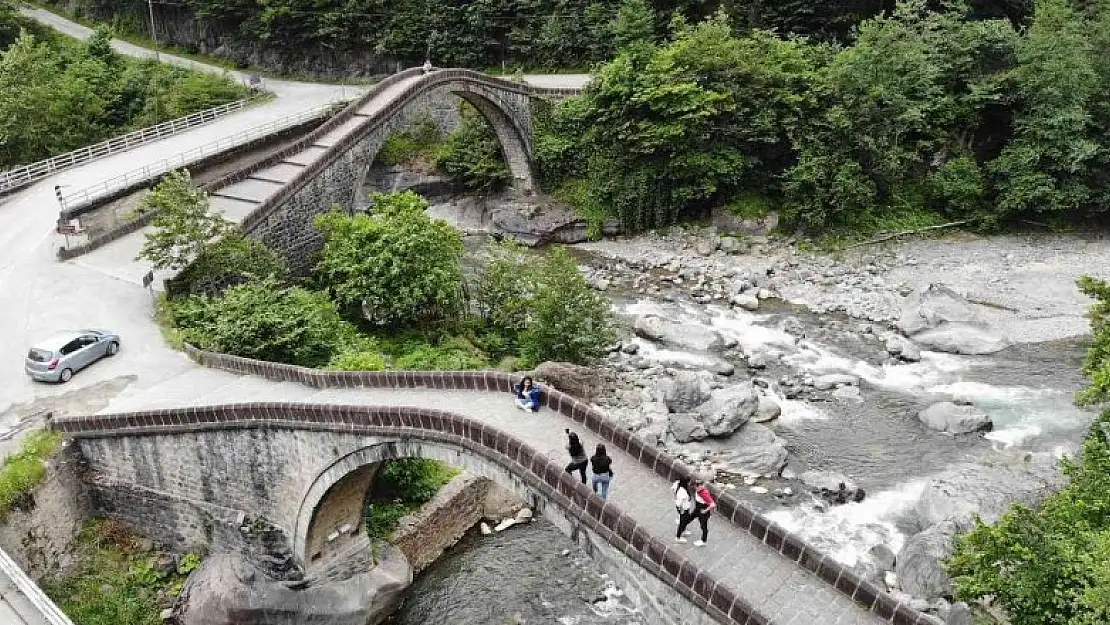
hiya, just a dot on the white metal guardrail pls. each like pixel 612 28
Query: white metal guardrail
pixel 42 604
pixel 27 174
pixel 147 172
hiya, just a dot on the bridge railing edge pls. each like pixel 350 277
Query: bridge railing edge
pixel 791 546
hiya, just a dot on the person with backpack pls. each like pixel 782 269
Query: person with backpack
pixel 578 459
pixel 602 466
pixel 704 504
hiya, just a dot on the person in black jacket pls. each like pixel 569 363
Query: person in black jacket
pixel 602 466
pixel 578 459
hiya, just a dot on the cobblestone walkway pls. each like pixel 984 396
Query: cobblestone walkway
pixel 778 588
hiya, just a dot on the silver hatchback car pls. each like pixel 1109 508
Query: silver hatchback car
pixel 59 357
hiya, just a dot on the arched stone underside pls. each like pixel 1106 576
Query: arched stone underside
pixel 279 461
pixel 508 114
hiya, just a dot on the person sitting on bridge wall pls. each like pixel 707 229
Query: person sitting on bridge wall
pixel 527 394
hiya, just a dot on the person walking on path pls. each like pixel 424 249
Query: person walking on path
pixel 683 504
pixel 578 459
pixel 602 466
pixel 704 504
pixel 527 394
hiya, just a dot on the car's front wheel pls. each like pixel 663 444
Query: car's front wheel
pixel 113 348
pixel 66 376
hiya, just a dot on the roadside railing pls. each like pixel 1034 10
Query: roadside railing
pixel 74 200
pixel 26 174
pixel 42 604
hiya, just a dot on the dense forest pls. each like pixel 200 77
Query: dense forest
pixel 487 33
pixel 58 95
pixel 930 114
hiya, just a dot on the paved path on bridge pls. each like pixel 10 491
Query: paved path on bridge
pixel 777 587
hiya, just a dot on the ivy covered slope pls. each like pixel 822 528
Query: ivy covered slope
pixel 57 94
pixel 1051 565
pixel 483 33
pixel 935 112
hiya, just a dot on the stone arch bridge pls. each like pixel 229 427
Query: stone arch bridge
pixel 194 475
pixel 275 199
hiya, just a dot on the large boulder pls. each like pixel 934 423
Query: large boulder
pixel 582 382
pixel 919 565
pixel 825 480
pixel 728 409
pixel 758 451
pixel 768 410
pixel 227 591
pixel 686 427
pixel 938 318
pixel 684 335
pixel 537 220
pixel 954 418
pixel 965 491
pixel 685 391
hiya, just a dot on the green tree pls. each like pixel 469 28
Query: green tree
pixel 233 259
pixel 503 292
pixel 634 25
pixel 400 266
pixel 265 320
pixel 471 154
pixel 1046 165
pixel 567 320
pixel 183 225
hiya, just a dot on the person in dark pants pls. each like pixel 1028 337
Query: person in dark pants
pixel 578 459
pixel 602 466
pixel 704 504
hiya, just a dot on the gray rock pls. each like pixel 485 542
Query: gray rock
pixel 224 590
pixel 686 427
pixel 728 409
pixel 903 348
pixel 959 614
pixel 686 391
pixel 919 568
pixel 833 380
pixel 583 382
pixel 938 318
pixel 735 245
pixel 725 221
pixel 630 348
pixel 768 410
pixel 690 336
pixel 946 416
pixel 758 451
pixel 965 491
pixel 883 557
pixel 746 301
pixel 707 245
pixel 829 480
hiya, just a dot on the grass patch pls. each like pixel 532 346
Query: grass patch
pixel 26 469
pixel 115 583
pixel 415 144
pixel 416 351
pixel 870 225
pixel 576 193
pixel 402 487
pixel 163 316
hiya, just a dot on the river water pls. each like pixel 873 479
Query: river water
pixel 527 575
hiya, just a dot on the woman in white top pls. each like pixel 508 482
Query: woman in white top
pixel 683 501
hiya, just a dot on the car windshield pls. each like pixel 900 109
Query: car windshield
pixel 38 355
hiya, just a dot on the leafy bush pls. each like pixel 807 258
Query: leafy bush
pixel 26 468
pixel 453 353
pixel 415 481
pixel 471 154
pixel 233 259
pixel 357 360
pixel 418 142
pixel 183 225
pixel 265 320
pixel 382 518
pixel 1049 565
pixel 398 265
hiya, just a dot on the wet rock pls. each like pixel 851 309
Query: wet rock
pixel 746 301
pixel 735 245
pixel 954 418
pixel 690 336
pixel 728 409
pixel 768 410
pixel 965 490
pixel 847 393
pixel 686 427
pixel 725 221
pixel 919 568
pixel 583 382
pixel 883 557
pixel 630 348
pixel 758 451
pixel 538 220
pixel 707 245
pixel 829 480
pixel 224 590
pixel 938 318
pixel 685 392
pixel 959 614
pixel 903 348
pixel 834 380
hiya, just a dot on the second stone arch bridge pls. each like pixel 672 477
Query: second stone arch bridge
pixel 276 199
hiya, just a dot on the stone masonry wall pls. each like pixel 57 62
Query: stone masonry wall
pixel 40 533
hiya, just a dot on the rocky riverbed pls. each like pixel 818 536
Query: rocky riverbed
pixel 936 376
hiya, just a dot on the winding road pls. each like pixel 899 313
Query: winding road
pixel 39 295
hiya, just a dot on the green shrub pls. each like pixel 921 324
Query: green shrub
pixel 472 156
pixel 415 481
pixel 382 518
pixel 452 353
pixel 568 320
pixel 398 266
pixel 232 260
pixel 26 468
pixel 183 226
pixel 418 142
pixel 357 360
pixel 265 320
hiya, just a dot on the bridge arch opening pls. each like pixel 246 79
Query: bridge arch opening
pixel 507 113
